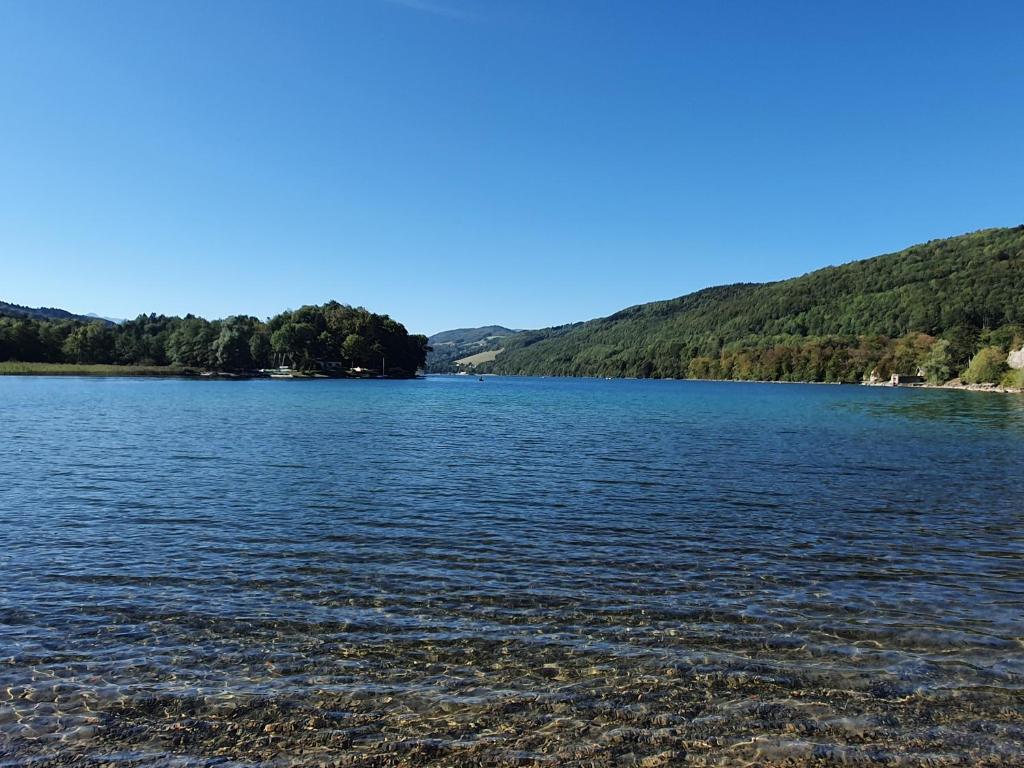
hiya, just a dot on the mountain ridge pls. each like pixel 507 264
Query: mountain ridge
pixel 8 309
pixel 837 323
pixel 449 347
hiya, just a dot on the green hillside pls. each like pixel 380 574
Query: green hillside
pixel 933 305
pixel 468 335
pixel 449 346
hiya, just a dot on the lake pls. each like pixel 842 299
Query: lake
pixel 516 571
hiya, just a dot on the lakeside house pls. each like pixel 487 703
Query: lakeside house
pixel 902 379
pixel 896 379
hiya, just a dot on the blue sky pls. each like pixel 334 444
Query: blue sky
pixel 459 162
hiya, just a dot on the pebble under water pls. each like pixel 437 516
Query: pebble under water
pixel 509 572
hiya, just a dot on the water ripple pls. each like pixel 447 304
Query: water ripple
pixel 521 571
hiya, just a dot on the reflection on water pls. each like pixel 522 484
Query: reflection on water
pixel 988 409
pixel 514 572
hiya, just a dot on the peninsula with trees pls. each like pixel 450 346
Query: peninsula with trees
pixel 330 339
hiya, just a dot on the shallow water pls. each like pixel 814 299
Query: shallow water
pixel 515 572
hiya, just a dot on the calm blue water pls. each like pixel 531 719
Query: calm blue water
pixel 515 571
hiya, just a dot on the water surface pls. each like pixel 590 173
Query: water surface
pixel 514 572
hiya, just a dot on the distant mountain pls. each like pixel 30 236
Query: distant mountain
pixel 934 304
pixel 47 313
pixel 469 335
pixel 449 346
pixel 114 320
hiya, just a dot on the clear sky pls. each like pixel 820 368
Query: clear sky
pixel 461 162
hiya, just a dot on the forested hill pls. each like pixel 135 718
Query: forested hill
pixel 469 335
pixel 448 346
pixel 936 303
pixel 47 313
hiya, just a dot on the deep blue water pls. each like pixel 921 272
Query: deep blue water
pixel 515 571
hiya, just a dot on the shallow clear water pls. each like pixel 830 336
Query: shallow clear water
pixel 514 571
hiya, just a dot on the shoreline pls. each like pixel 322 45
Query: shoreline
pixel 173 372
pixel 886 385
pixel 103 370
pixel 996 388
pixel 12 368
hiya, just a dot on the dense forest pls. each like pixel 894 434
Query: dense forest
pixel 934 307
pixel 304 339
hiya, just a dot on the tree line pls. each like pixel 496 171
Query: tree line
pixel 973 357
pixel 304 339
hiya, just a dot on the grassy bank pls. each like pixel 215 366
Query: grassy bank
pixel 10 368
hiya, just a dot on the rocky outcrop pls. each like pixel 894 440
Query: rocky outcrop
pixel 1016 359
